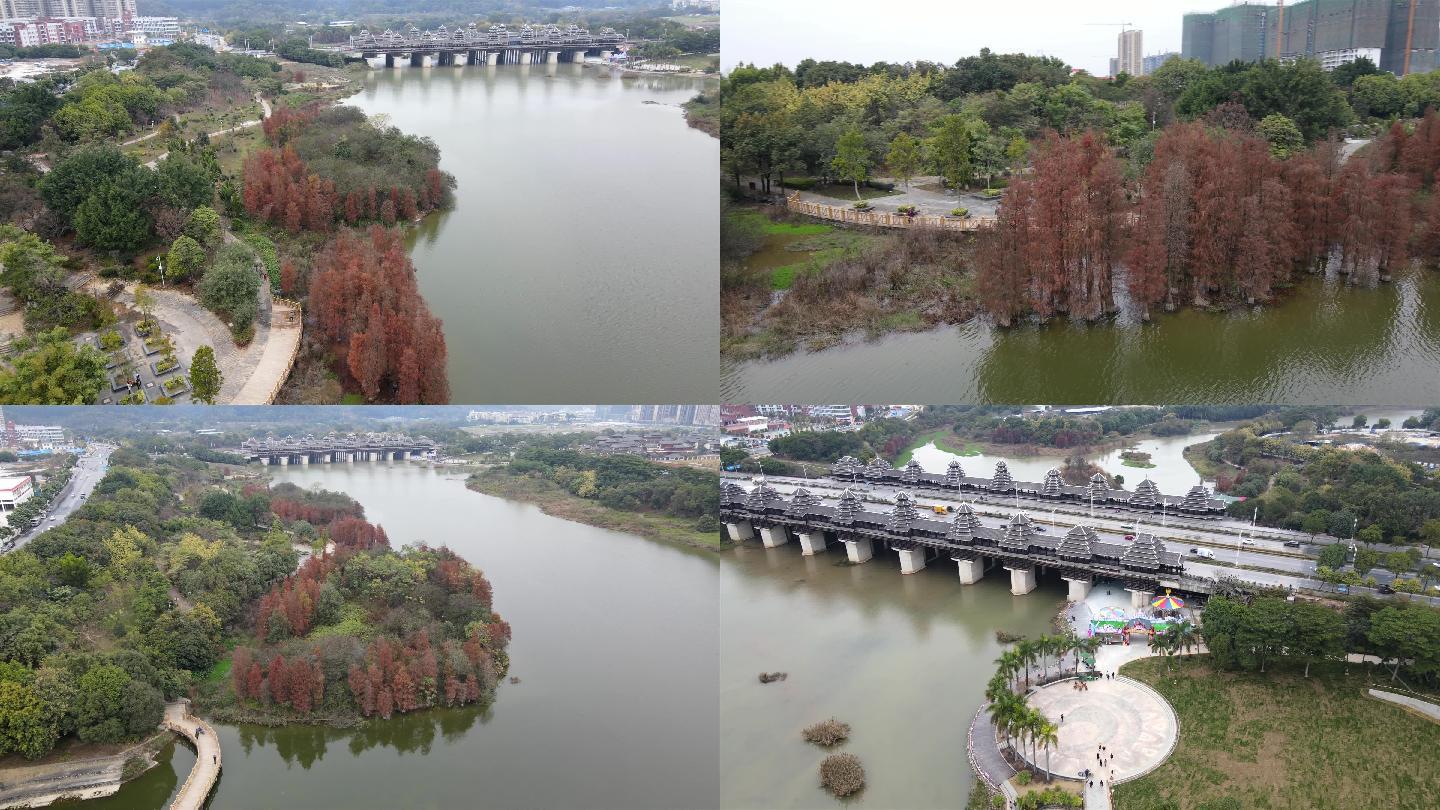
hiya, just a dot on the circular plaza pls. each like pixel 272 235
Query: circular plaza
pixel 1135 725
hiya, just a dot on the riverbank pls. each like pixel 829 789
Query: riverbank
pixel 946 439
pixel 557 502
pixel 76 771
pixel 1280 740
pixel 789 283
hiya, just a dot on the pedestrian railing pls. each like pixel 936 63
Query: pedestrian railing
pixel 882 219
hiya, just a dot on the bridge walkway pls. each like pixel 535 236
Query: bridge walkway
pixel 202 778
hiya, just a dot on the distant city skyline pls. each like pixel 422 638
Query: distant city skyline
pixel 765 32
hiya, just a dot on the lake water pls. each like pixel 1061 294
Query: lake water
pixel 581 260
pixel 615 644
pixel 902 659
pixel 1324 342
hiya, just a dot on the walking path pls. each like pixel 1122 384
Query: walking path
pixel 1421 707
pixel 264 113
pixel 253 373
pixel 203 775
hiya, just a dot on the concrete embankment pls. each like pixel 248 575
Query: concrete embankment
pixel 82 778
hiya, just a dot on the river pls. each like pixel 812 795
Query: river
pixel 583 235
pixel 902 659
pixel 615 644
pixel 1171 473
pixel 1324 343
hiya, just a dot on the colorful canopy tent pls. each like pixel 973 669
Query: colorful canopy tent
pixel 1167 602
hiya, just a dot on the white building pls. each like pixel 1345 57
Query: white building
pixel 46 436
pixel 214 42
pixel 156 27
pixel 15 490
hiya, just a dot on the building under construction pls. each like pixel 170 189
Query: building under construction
pixel 1401 36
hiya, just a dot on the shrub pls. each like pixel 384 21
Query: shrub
pixel 800 183
pixel 960 212
pixel 827 732
pixel 842 774
pixel 111 340
pixel 862 206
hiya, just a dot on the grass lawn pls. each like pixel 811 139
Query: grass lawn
pixel 697 61
pixel 220 671
pixel 1142 465
pixel 945 439
pixel 772 228
pixel 1279 740
pixel 846 191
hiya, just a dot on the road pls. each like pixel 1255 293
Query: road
pixel 88 471
pixel 1238 547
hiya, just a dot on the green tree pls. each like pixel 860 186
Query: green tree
pixel 26 725
pixel 950 150
pixel 1284 137
pixel 1378 96
pixel 203 225
pixel 113 218
pixel 852 158
pixel 205 376
pixel 185 259
pixel 51 369
pixel 183 182
pixel 904 157
pixel 1318 633
pixel 75 177
pixel 231 284
pixel 73 570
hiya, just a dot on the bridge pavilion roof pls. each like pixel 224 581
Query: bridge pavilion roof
pixel 1146 495
pixel 905 526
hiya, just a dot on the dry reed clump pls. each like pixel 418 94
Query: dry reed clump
pixel 771 677
pixel 827 732
pixel 842 774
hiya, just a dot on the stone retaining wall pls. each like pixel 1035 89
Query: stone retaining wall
pixel 44 783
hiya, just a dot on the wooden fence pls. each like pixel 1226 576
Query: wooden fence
pixel 882 219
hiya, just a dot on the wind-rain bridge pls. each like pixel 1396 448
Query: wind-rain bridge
pixel 1147 498
pixel 1141 563
pixel 334 448
pixel 472 45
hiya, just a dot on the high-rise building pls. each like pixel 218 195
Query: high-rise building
pixel 1154 61
pixel 1401 36
pixel 1130 58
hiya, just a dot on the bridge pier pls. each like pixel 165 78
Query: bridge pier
pixel 970 571
pixel 1079 588
pixel 1022 580
pixel 284 461
pixel 552 57
pixel 264 461
pixel 1139 597
pixel 578 56
pixel 912 560
pixel 605 56
pixel 524 57
pixel 859 550
pixel 492 58
pixel 740 530
pixel 811 543
pixel 389 60
pixel 304 459
pixel 774 536
pixel 349 457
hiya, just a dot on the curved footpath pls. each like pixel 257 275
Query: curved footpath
pixel 1423 708
pixel 202 778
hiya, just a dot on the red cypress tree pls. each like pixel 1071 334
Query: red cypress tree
pixel 279 681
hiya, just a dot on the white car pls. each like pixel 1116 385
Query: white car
pixel 1247 542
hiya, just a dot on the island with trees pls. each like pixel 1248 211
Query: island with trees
pixel 271 605
pixel 563 475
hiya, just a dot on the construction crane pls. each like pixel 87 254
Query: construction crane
pixel 1123 26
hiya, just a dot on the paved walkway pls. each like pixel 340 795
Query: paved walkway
pixel 1422 707
pixel 203 775
pixel 925 200
pixel 252 373
pixel 1136 726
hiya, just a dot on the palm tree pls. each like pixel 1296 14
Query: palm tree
pixel 1049 735
pixel 1005 712
pixel 1026 650
pixel 1008 664
pixel 1187 637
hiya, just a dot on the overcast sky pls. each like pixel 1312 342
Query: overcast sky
pixel 869 31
